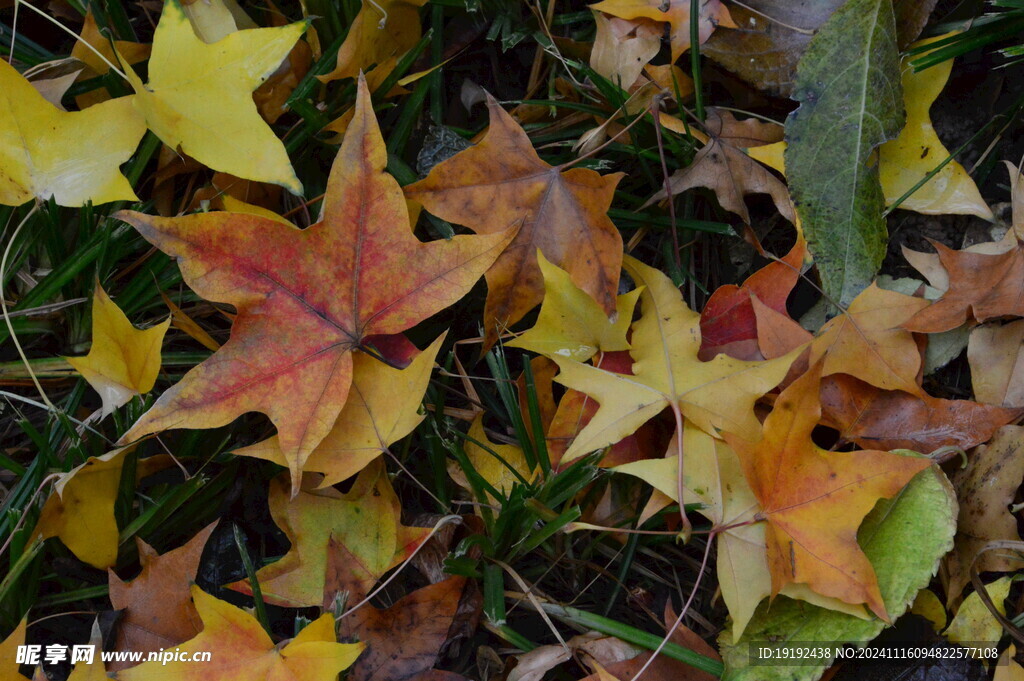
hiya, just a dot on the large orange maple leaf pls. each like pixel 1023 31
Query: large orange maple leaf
pixel 814 500
pixel 307 298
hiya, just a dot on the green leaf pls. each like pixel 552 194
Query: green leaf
pixel 903 537
pixel 848 86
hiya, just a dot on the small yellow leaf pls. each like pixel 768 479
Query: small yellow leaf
pixel 129 51
pixel 123 361
pixel 1007 668
pixel 917 151
pixel 571 323
pixel 213 20
pixel 382 30
pixel 95 670
pixel 81 509
pixel 973 622
pixel 490 468
pixel 72 157
pixel 199 96
pixel 9 652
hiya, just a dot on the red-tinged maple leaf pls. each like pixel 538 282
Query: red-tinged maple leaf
pixel 728 323
pixel 893 419
pixel 502 181
pixel 306 298
pixel 813 500
pixel 981 287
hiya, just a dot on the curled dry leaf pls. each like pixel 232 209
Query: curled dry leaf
pixel 123 361
pixel 307 298
pixel 722 166
pixel 502 182
pixel 240 650
pixel 156 607
pixel 986 488
pixel 813 501
pixel 893 419
pixel 622 48
pixel 71 157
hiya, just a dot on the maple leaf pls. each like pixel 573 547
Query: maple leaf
pixel 722 166
pixel 986 488
pixel 813 500
pixel 123 361
pixel 382 29
pixel 240 650
pixel 571 324
pixel 71 157
pixel 156 607
pixel 91 36
pixel 382 408
pixel 728 322
pixel 868 342
pixel 501 182
pixel 982 286
pixel 405 639
pixel 893 419
pixel 712 14
pixel 497 472
pixel 307 298
pixel 917 151
pixel 713 476
pixel 719 394
pixel 364 526
pixel 186 74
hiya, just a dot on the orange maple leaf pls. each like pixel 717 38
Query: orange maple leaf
pixel 814 500
pixel 307 298
pixel 501 182
pixel 981 287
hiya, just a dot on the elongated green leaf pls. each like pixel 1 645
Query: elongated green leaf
pixel 903 537
pixel 848 86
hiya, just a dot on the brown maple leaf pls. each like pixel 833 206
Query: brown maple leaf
pixel 157 605
pixel 502 182
pixel 813 500
pixel 406 639
pixel 307 298
pixel 722 166
pixel 981 287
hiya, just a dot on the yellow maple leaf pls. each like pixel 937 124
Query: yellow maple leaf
pixel 240 650
pixel 72 157
pixel 199 96
pixel 501 474
pixel 719 394
pixel 571 323
pixel 123 361
pixel 382 408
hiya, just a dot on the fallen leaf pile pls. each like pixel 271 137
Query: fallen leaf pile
pixel 493 392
